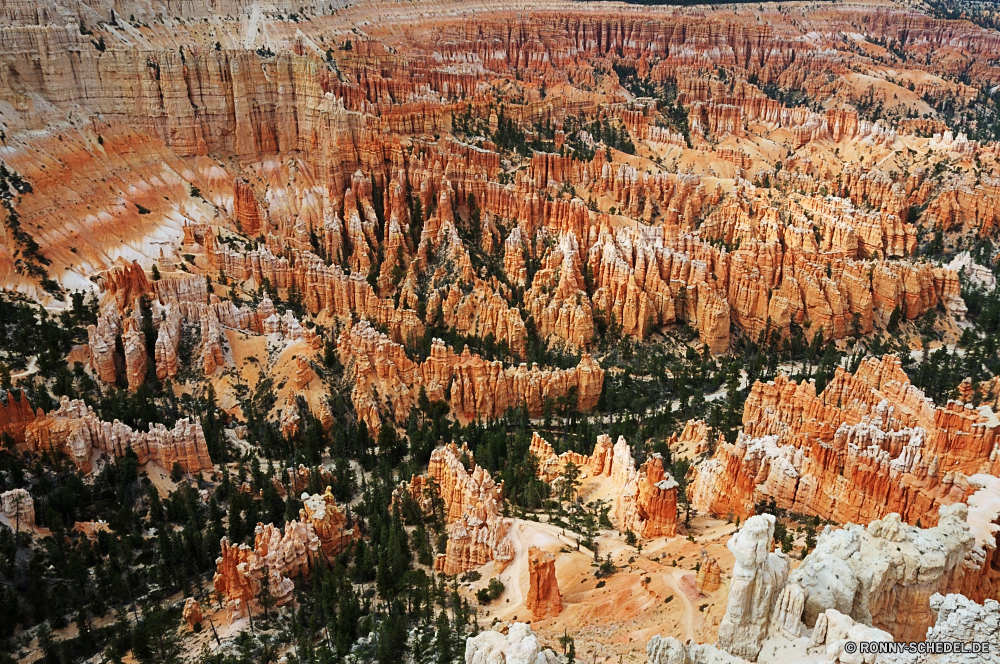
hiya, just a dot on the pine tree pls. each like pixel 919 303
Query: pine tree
pixel 442 639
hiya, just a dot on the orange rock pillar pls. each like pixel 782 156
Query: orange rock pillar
pixel 544 599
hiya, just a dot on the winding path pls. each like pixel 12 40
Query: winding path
pixel 511 577
pixel 688 618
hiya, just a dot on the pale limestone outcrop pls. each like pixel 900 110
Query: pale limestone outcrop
pixel 518 645
pixel 668 650
pixel 979 275
pixel 18 507
pixel 758 578
pixel 885 574
pixel 786 616
pixel 834 629
pixel 544 599
pixel 960 620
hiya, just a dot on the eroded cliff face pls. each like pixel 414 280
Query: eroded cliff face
pixel 870 444
pixel 645 500
pixel 884 582
pixel 281 555
pixel 748 211
pixel 75 431
pixel 885 574
pixel 477 533
pixel 321 532
pixel 474 388
pixel 333 528
pixel 544 599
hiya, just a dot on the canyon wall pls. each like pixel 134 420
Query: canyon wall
pixel 477 533
pixel 75 431
pixel 870 444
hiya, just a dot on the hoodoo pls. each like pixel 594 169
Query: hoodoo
pixel 499 332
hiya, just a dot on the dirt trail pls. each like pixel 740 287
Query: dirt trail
pixel 511 577
pixel 688 619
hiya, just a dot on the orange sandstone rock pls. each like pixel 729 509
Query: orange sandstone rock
pixel 544 600
pixel 868 445
pixel 477 533
pixel 74 430
pixel 192 613
pixel 15 415
pixel 709 574
pixel 329 523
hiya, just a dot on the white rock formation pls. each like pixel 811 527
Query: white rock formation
pixel 961 620
pixel 19 508
pixel 758 577
pixel 518 646
pixel 884 575
pixel 832 632
pixel 978 274
pixel 786 618
pixel 668 650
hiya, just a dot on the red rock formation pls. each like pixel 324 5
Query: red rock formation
pixel 646 502
pixel 74 430
pixel 281 555
pixel 544 600
pixel 211 342
pixel 479 388
pixel 15 415
pixel 709 574
pixel 246 209
pixel 126 284
pixel 134 343
pixel 329 523
pixel 192 613
pixel 557 298
pixel 550 466
pixel 91 529
pixel 167 339
pixel 868 445
pixel 235 580
pixel 647 505
pixel 324 288
pixel 101 338
pixel 477 533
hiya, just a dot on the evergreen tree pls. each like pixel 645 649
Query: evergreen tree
pixel 442 639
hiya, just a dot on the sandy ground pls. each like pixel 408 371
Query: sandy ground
pixel 651 593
